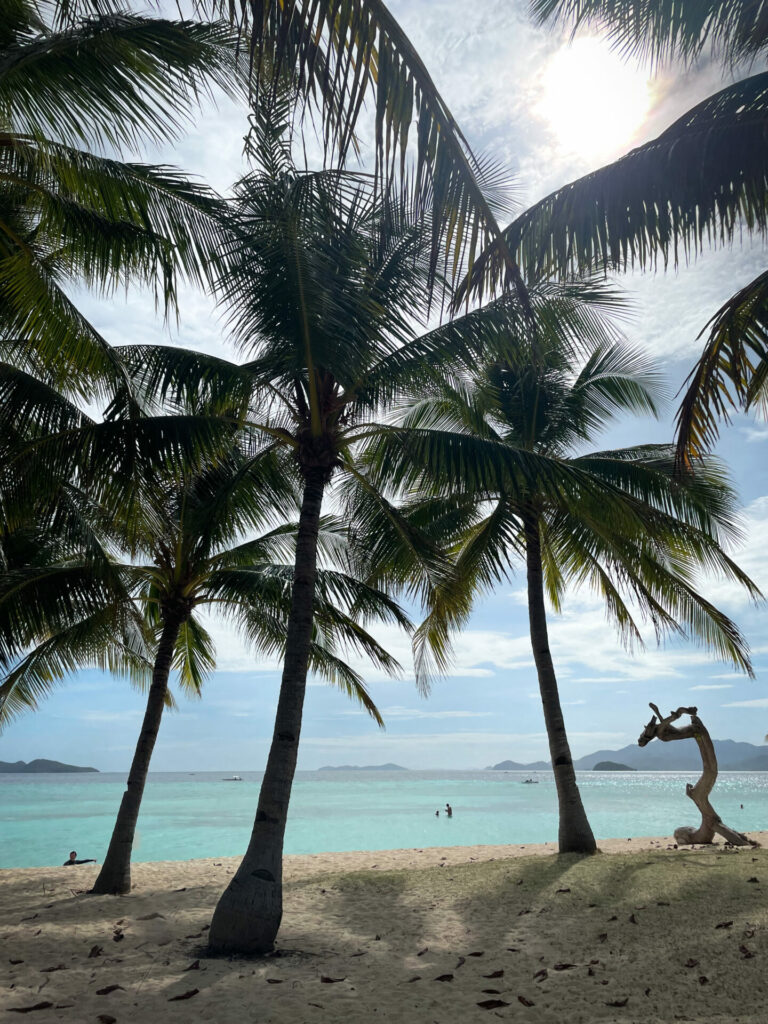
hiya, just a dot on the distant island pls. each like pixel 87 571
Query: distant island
pixel 683 756
pixel 612 766
pixel 41 766
pixel 362 768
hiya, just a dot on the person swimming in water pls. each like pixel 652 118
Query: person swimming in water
pixel 73 859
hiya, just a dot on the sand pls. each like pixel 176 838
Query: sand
pixel 641 932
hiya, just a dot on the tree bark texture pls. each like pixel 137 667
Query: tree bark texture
pixel 247 917
pixel 115 875
pixel 574 834
pixel 711 823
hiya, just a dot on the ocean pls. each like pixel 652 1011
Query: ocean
pixel 187 814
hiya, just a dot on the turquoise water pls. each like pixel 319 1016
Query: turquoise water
pixel 43 817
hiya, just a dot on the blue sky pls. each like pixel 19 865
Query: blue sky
pixel 551 113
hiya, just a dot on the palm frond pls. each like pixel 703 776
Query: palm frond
pixel 730 372
pixel 695 185
pixel 734 30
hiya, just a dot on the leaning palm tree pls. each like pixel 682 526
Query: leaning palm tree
pixel 69 90
pixel 615 521
pixel 187 551
pixel 701 182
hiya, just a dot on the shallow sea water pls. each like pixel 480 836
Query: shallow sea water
pixel 184 815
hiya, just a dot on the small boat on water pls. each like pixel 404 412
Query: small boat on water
pixel 530 782
pixel 233 778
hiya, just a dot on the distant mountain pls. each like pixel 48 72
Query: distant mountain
pixel 362 768
pixel 752 764
pixel 675 756
pixel 612 766
pixel 515 766
pixel 39 766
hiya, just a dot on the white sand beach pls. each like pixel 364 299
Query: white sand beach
pixel 641 932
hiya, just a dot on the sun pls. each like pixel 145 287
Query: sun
pixel 593 101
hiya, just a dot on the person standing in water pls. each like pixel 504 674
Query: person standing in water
pixel 449 810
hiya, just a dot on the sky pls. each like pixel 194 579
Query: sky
pixel 551 111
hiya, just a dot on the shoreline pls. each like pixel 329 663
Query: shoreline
pixel 446 934
pixel 296 864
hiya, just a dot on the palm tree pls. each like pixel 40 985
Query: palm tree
pixel 186 551
pixel 701 182
pixel 325 286
pixel 616 521
pixel 70 89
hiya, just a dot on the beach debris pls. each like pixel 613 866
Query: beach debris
pixel 522 912
pixel 525 1002
pixel 495 1004
pixel 362 952
pixel 196 935
pixel 50 970
pixel 746 954
pixel 491 991
pixel 632 919
pixel 703 980
pixel 724 924
pixel 444 977
pixel 618 1002
pixel 30 1009
pixel 749 933
pixel 184 995
pixel 14 962
pixel 194 966
pixel 711 823
pixel 563 890
pixel 479 952
pixel 691 963
pixel 416 977
pixel 331 981
pixel 510 949
pixel 614 918
pixel 602 936
pixel 462 960
pixel 150 917
pixel 564 967
pixel 118 935
pixel 274 981
pixel 753 879
pixel 107 989
pixel 95 951
pixel 495 974
pixel 541 975
pixel 426 950
pixel 106 1018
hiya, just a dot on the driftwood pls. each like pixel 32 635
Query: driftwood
pixel 661 728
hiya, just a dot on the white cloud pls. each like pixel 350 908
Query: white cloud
pixel 760 702
pixel 408 714
pixel 713 686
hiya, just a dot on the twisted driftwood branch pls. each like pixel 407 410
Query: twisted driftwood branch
pixel 711 824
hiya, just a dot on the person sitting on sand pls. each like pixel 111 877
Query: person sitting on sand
pixel 449 810
pixel 73 859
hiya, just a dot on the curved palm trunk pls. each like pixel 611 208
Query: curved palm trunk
pixel 574 834
pixel 247 916
pixel 115 874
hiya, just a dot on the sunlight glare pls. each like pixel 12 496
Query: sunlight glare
pixel 593 101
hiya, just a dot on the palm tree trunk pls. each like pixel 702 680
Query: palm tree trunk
pixel 115 875
pixel 574 834
pixel 247 917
